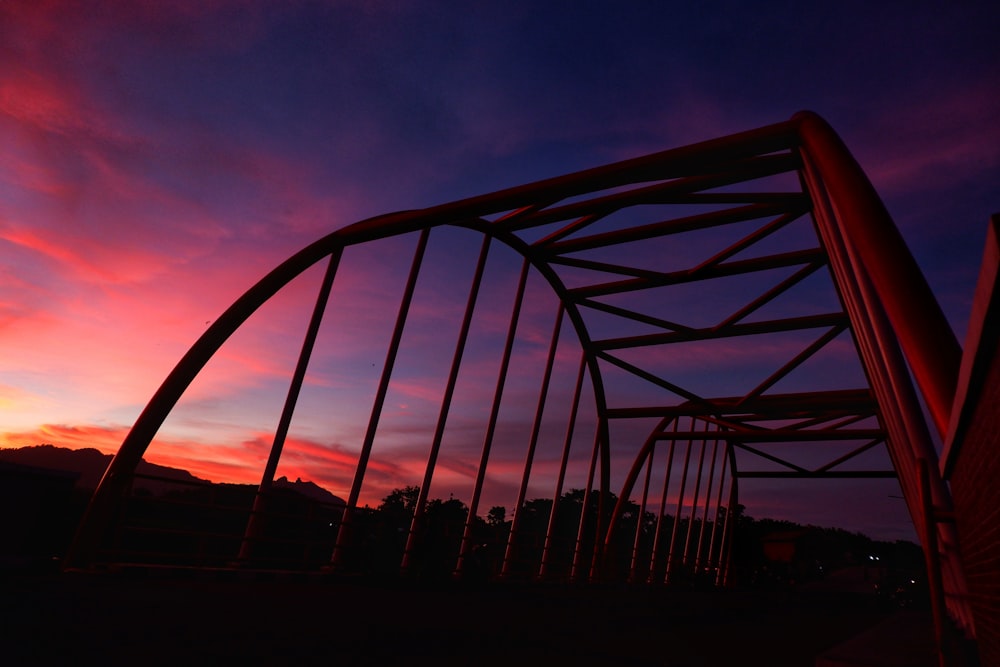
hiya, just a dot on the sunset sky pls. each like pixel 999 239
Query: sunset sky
pixel 157 158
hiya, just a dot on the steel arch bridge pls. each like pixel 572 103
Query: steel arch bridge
pixel 708 300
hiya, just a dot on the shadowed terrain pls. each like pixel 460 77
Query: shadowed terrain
pixel 165 617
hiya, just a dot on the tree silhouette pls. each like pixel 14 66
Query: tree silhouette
pixel 496 516
pixel 400 501
pixel 183 521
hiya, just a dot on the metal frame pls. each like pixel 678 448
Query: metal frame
pixel 578 225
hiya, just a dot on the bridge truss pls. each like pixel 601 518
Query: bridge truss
pixel 737 310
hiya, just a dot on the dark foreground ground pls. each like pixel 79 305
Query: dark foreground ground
pixel 201 619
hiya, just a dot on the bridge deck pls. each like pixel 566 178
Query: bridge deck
pixel 230 619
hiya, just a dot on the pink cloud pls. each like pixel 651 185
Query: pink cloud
pixel 104 438
pixel 139 282
pixel 215 463
pixel 42 104
pixel 186 24
pixel 330 465
pixel 79 153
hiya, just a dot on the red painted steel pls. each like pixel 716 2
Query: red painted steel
pixel 559 226
pixel 917 320
pixel 256 514
pixel 466 547
pixel 344 530
pixel 543 393
pixel 544 569
pixel 416 526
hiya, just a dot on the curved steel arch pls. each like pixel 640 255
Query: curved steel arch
pixel 886 308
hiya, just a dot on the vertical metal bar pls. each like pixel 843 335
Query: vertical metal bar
pixel 604 471
pixel 694 501
pixel 905 404
pixel 866 340
pixel 663 505
pixel 634 565
pixel 921 327
pixel 494 415
pixel 255 522
pixel 535 429
pixel 642 459
pixel 578 564
pixel 887 370
pixel 729 525
pixel 718 509
pixel 680 507
pixel 932 558
pixel 416 525
pixel 708 504
pixel 563 464
pixel 597 558
pixel 344 531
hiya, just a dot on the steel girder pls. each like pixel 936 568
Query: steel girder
pixel 611 243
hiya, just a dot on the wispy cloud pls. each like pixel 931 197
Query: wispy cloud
pixel 942 141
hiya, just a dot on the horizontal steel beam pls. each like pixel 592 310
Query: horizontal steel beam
pixel 678 190
pixel 792 202
pixel 645 279
pixel 775 406
pixel 833 474
pixel 744 329
pixel 776 435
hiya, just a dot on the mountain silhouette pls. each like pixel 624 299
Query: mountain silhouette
pixel 90 465
pixel 310 490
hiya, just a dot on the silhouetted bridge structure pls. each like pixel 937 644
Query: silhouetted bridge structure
pixel 738 309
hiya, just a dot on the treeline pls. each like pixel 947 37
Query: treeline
pixel 764 552
pixel 774 553
pixel 205 524
pixel 379 537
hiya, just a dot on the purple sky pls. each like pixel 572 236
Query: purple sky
pixel 158 158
